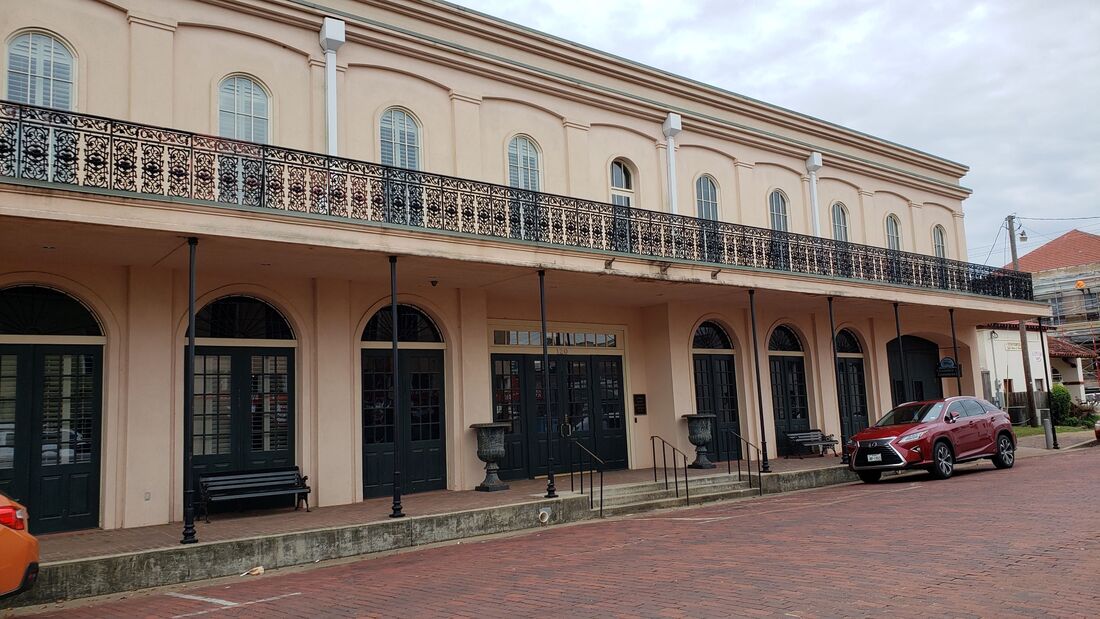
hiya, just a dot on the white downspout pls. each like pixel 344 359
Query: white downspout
pixel 813 164
pixel 332 37
pixel 671 128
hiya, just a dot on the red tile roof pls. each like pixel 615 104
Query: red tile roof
pixel 1071 249
pixel 1065 349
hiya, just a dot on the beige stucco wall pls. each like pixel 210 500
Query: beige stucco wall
pixel 167 59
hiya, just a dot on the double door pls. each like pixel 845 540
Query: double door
pixel 853 394
pixel 789 399
pixel 586 397
pixel 50 416
pixel 716 394
pixel 419 438
pixel 243 408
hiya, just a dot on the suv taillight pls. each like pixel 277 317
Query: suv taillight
pixel 13 518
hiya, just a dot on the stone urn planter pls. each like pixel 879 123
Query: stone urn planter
pixel 699 433
pixel 490 450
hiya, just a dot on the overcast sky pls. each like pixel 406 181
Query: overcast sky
pixel 1010 88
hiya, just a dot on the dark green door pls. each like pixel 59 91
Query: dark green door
pixel 50 416
pixel 789 400
pixel 716 394
pixel 588 400
pixel 244 408
pixel 419 436
pixel 853 394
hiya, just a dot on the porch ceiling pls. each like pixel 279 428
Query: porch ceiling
pixel 49 243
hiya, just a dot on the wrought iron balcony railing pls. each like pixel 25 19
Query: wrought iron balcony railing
pixel 91 152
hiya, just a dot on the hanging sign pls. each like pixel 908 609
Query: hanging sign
pixel 948 368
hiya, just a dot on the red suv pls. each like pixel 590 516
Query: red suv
pixel 935 435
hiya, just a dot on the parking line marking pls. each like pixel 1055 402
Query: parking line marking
pixel 235 605
pixel 199 598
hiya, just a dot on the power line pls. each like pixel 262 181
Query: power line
pixel 1058 218
pixel 995 239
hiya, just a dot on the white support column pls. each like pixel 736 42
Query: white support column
pixel 813 164
pixel 332 37
pixel 671 128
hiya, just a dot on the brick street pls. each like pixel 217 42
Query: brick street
pixel 988 543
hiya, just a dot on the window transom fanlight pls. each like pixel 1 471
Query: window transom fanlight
pixel 413 326
pixel 783 339
pixel 710 335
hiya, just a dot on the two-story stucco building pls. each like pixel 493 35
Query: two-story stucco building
pixel 693 242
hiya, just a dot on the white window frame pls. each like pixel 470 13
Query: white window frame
pixel 893 237
pixel 706 197
pixel 56 42
pixel 840 224
pixel 524 163
pixel 939 241
pixel 622 193
pixel 251 116
pixel 403 153
pixel 778 211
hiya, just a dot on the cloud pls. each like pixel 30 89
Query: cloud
pixel 1009 87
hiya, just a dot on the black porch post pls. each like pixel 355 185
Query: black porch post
pixel 904 395
pixel 1046 377
pixel 396 513
pixel 759 390
pixel 839 396
pixel 189 403
pixel 955 348
pixel 551 490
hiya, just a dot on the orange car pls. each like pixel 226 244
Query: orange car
pixel 18 549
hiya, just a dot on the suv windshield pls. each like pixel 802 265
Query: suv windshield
pixel 911 413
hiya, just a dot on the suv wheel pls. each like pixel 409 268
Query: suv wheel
pixel 869 477
pixel 943 461
pixel 1006 453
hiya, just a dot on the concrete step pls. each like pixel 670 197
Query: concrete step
pixel 665 503
pixel 661 493
pixel 649 486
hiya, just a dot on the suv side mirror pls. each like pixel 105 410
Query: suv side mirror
pixel 951 417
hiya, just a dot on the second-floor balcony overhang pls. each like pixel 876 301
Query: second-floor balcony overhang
pixel 50 148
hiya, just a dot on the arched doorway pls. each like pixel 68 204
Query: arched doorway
pixel 244 387
pixel 51 379
pixel 420 436
pixel 852 382
pixel 787 362
pixel 921 356
pixel 716 386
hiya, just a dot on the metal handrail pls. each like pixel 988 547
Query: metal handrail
pixel 56 147
pixel 665 447
pixel 595 464
pixel 730 435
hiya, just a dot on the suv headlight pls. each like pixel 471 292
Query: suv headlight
pixel 912 436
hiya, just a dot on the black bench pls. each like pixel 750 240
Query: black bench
pixel 237 485
pixel 804 442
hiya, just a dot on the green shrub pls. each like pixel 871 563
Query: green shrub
pixel 1060 404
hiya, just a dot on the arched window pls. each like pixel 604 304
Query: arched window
pixel 413 325
pixel 848 343
pixel 939 241
pixel 777 206
pixel 243 109
pixel 783 339
pixel 840 222
pixel 242 318
pixel 400 135
pixel 523 163
pixel 40 71
pixel 35 310
pixel 711 336
pixel 622 183
pixel 706 198
pixel 893 233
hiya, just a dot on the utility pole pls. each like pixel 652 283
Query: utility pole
pixel 1032 417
